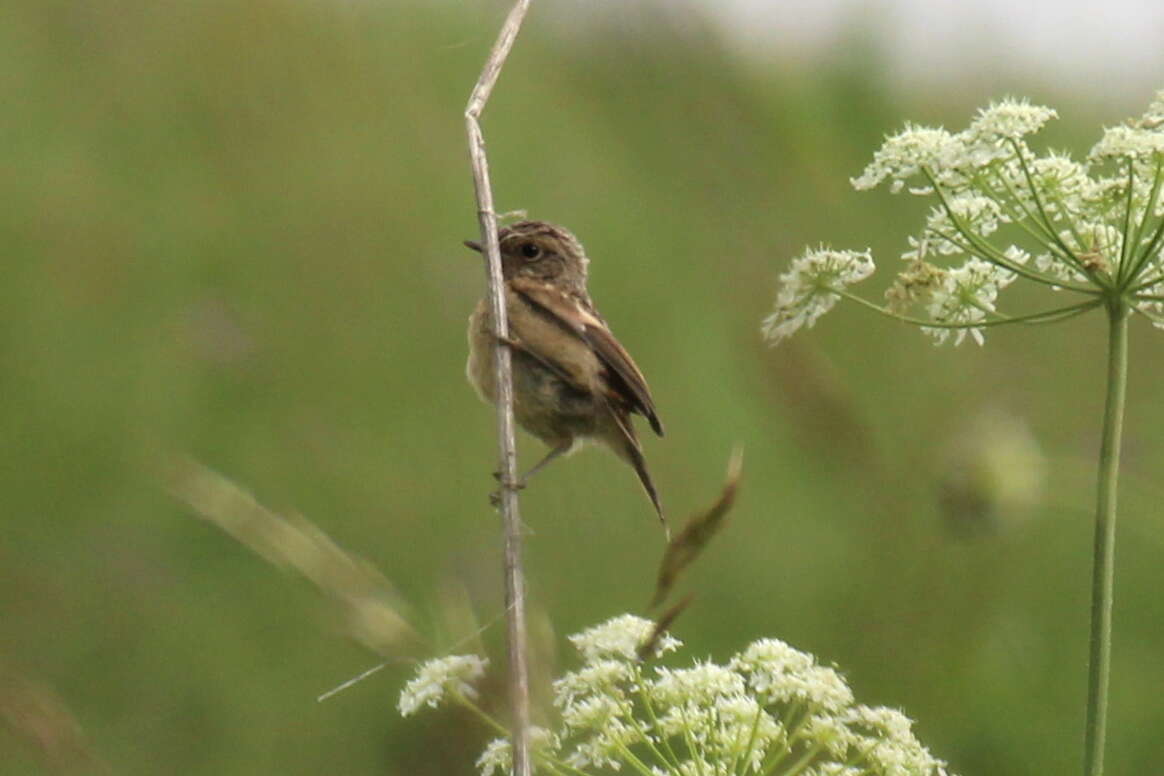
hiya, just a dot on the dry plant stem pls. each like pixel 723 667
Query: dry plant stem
pixel 511 516
pixel 1103 570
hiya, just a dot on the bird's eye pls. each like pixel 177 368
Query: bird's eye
pixel 530 250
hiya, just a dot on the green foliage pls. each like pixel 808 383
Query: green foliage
pixel 233 230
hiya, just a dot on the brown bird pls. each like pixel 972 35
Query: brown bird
pixel 572 380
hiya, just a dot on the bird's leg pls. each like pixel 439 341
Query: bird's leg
pixel 495 496
pixel 554 453
pixel 519 485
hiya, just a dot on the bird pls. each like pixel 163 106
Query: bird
pixel 573 381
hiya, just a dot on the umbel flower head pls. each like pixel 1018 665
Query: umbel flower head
pixel 439 678
pixel 1091 230
pixel 771 709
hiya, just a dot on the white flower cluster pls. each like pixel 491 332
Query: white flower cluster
pixel 811 287
pixel 1154 116
pixel 951 228
pixel 771 710
pixel 620 638
pixel 914 151
pixel 1095 228
pixel 951 160
pixel 1151 304
pixel 1141 140
pixel 1008 119
pixel 437 678
pixel 777 673
pixel 498 756
pixel 965 295
pixel 1124 141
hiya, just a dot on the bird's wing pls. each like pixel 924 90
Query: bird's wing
pixel 624 381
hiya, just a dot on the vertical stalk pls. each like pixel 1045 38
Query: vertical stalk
pixel 1103 569
pixel 507 447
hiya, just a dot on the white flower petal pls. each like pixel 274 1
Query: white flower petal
pixel 436 677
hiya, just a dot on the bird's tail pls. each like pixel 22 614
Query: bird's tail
pixel 635 456
pixel 627 447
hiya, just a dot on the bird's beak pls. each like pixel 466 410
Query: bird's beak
pixel 474 245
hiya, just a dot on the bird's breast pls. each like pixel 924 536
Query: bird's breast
pixel 555 374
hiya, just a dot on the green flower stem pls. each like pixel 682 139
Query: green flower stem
pixel 667 758
pixel 496 726
pixel 1000 260
pixel 1070 222
pixel 805 760
pixel 994 256
pixel 1127 247
pixel 692 749
pixel 1137 257
pixel 1146 256
pixel 671 758
pixel 561 766
pixel 1104 555
pixel 769 765
pixel 1155 279
pixel 801 711
pixel 794 733
pixel 1150 249
pixel 1156 319
pixel 557 766
pixel 1062 314
pixel 975 243
pixel 746 753
pixel 1070 216
pixel 777 755
pixel 988 252
pixel 1046 316
pixel 1047 221
pixel 862 755
pixel 1046 236
pixel 1018 212
pixel 632 759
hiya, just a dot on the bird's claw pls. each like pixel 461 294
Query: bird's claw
pixel 500 477
pixel 495 496
pixel 509 341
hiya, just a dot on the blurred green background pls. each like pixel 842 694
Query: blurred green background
pixel 232 230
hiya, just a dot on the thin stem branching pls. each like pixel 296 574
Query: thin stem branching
pixel 506 431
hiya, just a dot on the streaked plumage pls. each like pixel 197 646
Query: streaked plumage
pixel 573 380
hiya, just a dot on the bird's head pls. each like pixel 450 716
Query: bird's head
pixel 541 251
